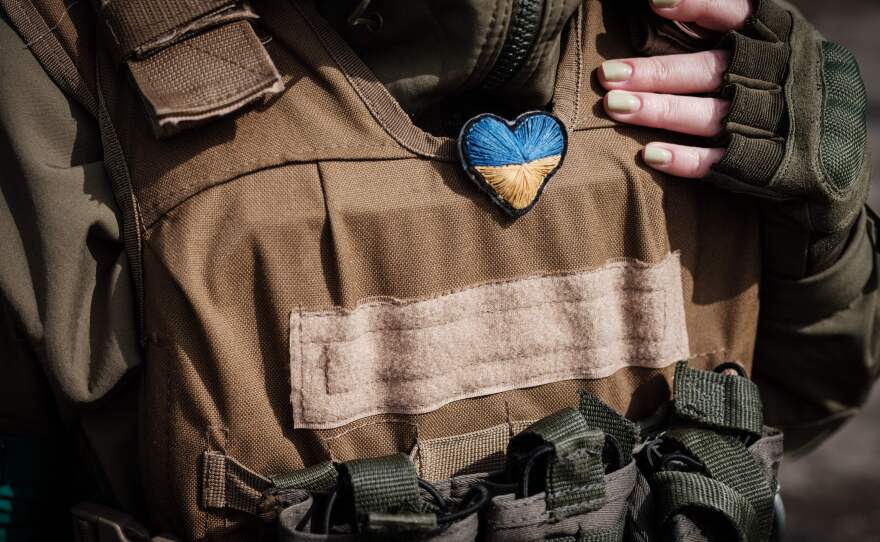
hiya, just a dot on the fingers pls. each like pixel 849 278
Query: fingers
pixel 719 15
pixel 675 74
pixel 681 161
pixel 683 114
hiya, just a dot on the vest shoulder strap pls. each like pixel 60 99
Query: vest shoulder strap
pixel 191 61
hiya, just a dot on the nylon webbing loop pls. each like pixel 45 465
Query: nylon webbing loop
pixel 574 481
pixel 386 495
pixel 320 477
pixel 716 400
pixel 598 415
pixel 207 76
pixel 191 60
pixel 226 483
pixel 678 491
pixel 729 462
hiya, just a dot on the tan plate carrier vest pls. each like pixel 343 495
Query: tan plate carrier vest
pixel 321 281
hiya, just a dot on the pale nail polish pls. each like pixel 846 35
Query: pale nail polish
pixel 665 3
pixel 623 102
pixel 657 156
pixel 615 71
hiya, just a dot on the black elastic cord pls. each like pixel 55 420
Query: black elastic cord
pixel 527 468
pixel 478 490
pixel 441 502
pixel 476 499
pixel 328 512
pixel 620 460
pixel 682 458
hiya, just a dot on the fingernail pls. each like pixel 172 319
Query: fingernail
pixel 665 3
pixel 616 71
pixel 657 156
pixel 623 102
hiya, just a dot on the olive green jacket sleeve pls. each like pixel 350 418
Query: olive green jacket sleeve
pixel 63 273
pixel 68 336
pixel 818 339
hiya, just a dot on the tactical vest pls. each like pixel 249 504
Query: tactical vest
pixel 321 282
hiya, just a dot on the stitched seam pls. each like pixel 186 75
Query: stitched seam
pixel 249 87
pixel 611 264
pixel 361 89
pixel 153 23
pixel 406 304
pixel 241 170
pixel 570 372
pixel 579 66
pixel 395 421
pixel 211 54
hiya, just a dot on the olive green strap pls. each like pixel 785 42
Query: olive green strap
pixel 717 400
pixel 226 483
pixel 386 497
pixel 728 461
pixel 598 415
pixel 575 474
pixel 678 491
pixel 320 477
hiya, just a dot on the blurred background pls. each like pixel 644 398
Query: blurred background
pixel 833 495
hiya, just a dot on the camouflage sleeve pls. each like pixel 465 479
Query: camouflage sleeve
pixel 817 348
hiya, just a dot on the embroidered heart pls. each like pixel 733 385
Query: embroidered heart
pixel 513 161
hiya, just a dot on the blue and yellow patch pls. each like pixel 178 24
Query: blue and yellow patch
pixel 513 161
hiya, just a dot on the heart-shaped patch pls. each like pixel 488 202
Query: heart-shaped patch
pixel 513 161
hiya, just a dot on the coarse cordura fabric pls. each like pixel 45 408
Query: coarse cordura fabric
pixel 397 357
pixel 329 198
pixel 326 198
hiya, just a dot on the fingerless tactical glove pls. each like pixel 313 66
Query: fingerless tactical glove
pixel 796 135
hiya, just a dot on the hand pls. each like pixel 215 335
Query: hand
pixel 657 92
pixel 789 108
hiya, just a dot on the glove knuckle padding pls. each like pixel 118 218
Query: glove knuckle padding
pixel 796 127
pixel 844 133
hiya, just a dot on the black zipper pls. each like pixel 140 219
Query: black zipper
pixel 524 27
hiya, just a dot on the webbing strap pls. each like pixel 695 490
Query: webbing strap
pixel 191 60
pixel 600 416
pixel 676 491
pixel 205 77
pixel 383 484
pixel 137 27
pixel 320 477
pixel 386 494
pixel 226 483
pixel 717 400
pixel 575 474
pixel 48 50
pixel 729 462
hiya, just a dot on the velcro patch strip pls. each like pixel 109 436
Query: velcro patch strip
pixel 414 356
